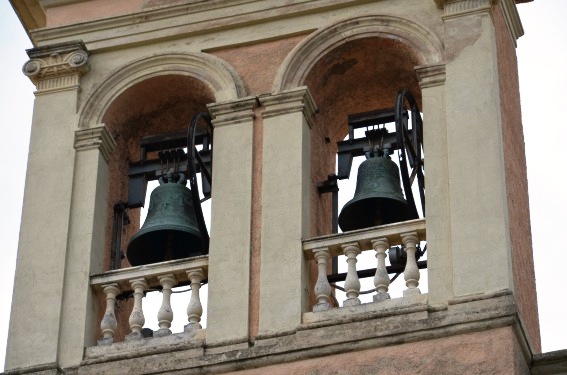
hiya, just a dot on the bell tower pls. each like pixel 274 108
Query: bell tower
pixel 260 107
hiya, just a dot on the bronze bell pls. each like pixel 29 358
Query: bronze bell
pixel 170 230
pixel 378 198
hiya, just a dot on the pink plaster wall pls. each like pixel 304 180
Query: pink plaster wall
pixel 487 352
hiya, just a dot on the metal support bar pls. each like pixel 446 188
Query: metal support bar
pixel 120 219
pixel 330 186
pixel 337 277
pixel 148 170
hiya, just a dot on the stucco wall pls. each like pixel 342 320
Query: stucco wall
pixel 487 352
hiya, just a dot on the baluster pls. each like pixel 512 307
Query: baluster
pixel 322 286
pixel 194 309
pixel 381 278
pixel 108 323
pixel 352 283
pixel 165 313
pixel 411 272
pixel 137 319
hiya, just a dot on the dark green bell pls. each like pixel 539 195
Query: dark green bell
pixel 170 230
pixel 378 198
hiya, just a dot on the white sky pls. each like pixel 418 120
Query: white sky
pixel 542 59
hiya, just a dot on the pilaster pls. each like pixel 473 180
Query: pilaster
pixel 440 276
pixel 286 179
pixel 79 308
pixel 475 157
pixel 231 215
pixel 36 317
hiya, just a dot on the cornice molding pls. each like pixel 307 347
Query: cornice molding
pixel 57 67
pixel 441 3
pixel 185 20
pixel 512 18
pixel 291 101
pixel 95 138
pixel 46 4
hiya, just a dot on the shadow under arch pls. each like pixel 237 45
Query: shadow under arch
pixel 294 70
pixel 222 80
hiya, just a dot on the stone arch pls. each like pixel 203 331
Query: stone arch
pixel 305 55
pixel 219 76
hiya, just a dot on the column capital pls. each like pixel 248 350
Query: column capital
pixel 96 137
pixel 456 8
pixel 295 100
pixel 233 112
pixel 431 75
pixel 57 67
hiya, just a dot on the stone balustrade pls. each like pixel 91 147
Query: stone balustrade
pixel 351 244
pixel 138 280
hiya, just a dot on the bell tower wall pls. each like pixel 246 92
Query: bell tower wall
pixel 279 81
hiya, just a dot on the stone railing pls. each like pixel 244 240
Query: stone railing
pixel 351 244
pixel 138 280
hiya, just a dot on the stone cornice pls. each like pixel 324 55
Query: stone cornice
pixel 512 18
pixel 441 3
pixel 295 100
pixel 57 67
pixel 95 138
pixel 185 20
pixel 233 112
pixel 431 75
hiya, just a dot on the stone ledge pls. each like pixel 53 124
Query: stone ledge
pixel 191 343
pixel 365 311
pixel 410 323
pixel 48 369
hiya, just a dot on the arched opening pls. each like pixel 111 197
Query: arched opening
pixel 358 76
pixel 157 106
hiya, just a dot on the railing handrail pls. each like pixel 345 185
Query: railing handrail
pixel 150 272
pixel 364 237
pixel 351 244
